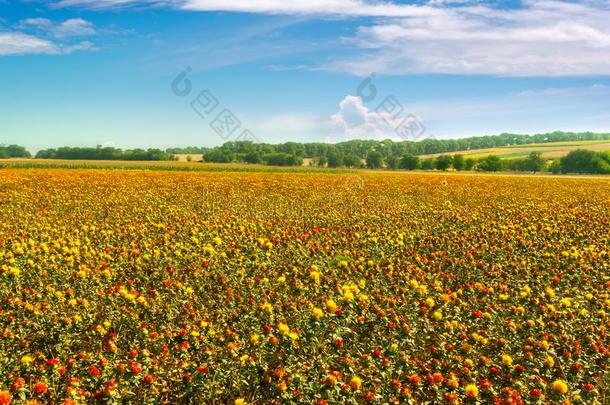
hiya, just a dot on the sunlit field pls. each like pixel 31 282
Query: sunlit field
pixel 129 286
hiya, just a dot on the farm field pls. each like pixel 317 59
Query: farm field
pixel 144 286
pixel 550 150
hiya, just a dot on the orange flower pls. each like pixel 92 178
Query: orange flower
pixel 5 398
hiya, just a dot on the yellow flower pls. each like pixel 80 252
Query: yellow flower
pixel 471 391
pixel 317 313
pixel 430 302
pixel 254 339
pixel 549 362
pixel 27 359
pixel 507 360
pixel 315 276
pixel 283 328
pixel 217 241
pixel 356 382
pixel 240 401
pixel 331 305
pixel 560 386
pixel 437 315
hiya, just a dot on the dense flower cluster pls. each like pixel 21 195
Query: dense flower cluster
pixel 168 287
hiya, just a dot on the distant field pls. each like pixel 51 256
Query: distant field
pixel 195 157
pixel 548 150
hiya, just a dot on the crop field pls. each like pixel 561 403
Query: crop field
pixel 132 286
pixel 550 150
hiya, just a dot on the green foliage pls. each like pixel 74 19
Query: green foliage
pixel 358 148
pixel 459 163
pixel 443 162
pixel 392 162
pixel 408 161
pixel 374 159
pixel 104 153
pixel 282 159
pixel 533 163
pixel 13 151
pixel 585 161
pixel 351 160
pixel 490 164
pixel 335 159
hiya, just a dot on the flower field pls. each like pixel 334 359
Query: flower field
pixel 192 287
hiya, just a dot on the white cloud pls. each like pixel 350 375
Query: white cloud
pixel 311 7
pixel 43 36
pixel 14 43
pixel 355 120
pixel 73 27
pixel 545 38
pixel 540 38
pixel 356 8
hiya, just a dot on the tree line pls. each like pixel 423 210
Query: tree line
pixel 13 151
pixel 104 153
pixel 349 152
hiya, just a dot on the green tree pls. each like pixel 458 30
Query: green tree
pixel 428 164
pixel 374 159
pixel 459 163
pixel 443 162
pixel 351 160
pixel 392 162
pixel 408 161
pixel 490 164
pixel 469 163
pixel 335 159
pixel 578 161
pixel 535 162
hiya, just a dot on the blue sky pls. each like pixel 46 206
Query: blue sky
pixel 87 72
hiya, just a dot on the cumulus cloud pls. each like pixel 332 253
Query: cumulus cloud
pixel 388 121
pixel 43 36
pixel 73 27
pixel 14 43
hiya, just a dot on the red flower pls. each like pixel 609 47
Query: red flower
pixel 40 388
pixel 149 378
pixel 94 371
pixel 135 367
pixel 369 395
pixel 18 384
pixel 52 362
pixel 535 392
pixel 414 379
pixel 519 368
